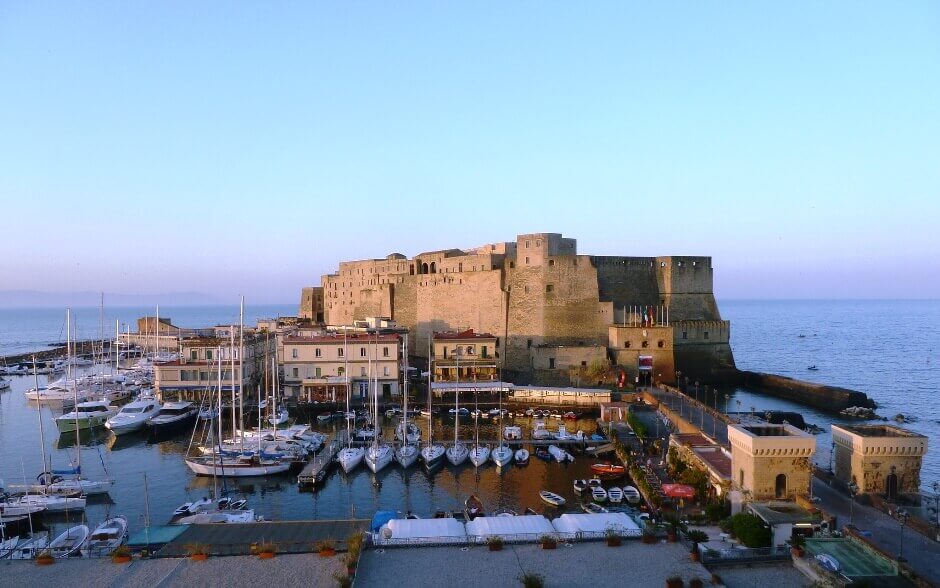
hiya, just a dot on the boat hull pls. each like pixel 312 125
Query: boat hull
pixel 456 455
pixel 228 470
pixel 377 460
pixel 350 458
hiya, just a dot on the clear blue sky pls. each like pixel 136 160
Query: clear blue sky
pixel 245 148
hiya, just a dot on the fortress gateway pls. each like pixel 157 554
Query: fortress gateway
pixel 557 316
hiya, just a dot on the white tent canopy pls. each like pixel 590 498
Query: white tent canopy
pixel 421 531
pixel 521 528
pixel 575 526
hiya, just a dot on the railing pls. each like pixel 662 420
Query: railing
pixel 743 556
pixel 516 538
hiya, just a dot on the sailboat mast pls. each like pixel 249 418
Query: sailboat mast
pixel 430 394
pixel 346 383
pixel 156 334
pixel 78 431
pixel 42 436
pixel 373 412
pixel 231 352
pixel 215 478
pixel 457 399
pixel 405 403
pixel 241 370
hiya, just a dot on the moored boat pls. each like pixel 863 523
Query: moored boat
pixel 592 508
pixel 598 494
pixel 106 537
pixel 608 469
pixel 473 507
pixel 133 416
pixel 615 495
pixel 631 494
pixel 502 455
pixel 521 456
pixel 85 415
pixel 173 416
pixel 68 543
pixel 552 498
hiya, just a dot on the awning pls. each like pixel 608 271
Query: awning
pixel 421 531
pixel 516 528
pixel 574 526
pixel 678 491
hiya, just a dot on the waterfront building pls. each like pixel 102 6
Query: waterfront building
pixel 649 348
pixel 197 368
pixel 545 304
pixel 771 461
pixel 314 366
pixel 476 353
pixel 698 451
pixel 879 459
pixel 311 304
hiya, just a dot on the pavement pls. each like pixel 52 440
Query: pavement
pixel 764 575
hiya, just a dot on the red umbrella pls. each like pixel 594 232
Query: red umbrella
pixel 678 491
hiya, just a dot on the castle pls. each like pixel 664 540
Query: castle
pixel 554 313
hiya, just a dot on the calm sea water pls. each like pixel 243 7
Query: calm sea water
pixel 34 329
pixel 883 348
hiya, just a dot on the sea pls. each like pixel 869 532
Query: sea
pixel 887 349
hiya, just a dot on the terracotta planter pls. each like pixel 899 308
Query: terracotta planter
pixel 674 584
pixel 44 561
pixel 694 556
pixel 199 556
pixel 671 537
pixel 613 542
pixel 329 552
pixel 649 539
pixel 121 559
pixel 549 545
pixel 796 552
pixel 266 555
pixel 496 546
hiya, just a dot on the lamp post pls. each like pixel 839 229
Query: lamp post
pixel 853 490
pixel 727 398
pixel 901 516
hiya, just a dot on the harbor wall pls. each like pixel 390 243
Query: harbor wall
pixel 821 396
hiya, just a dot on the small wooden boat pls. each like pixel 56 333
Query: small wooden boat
pixel 551 498
pixel 591 508
pixel 580 486
pixel 325 417
pixel 631 494
pixel 570 416
pixel 473 507
pixel 543 454
pixel 68 543
pixel 522 456
pixel 106 537
pixel 608 469
pixel 615 495
pixel 598 494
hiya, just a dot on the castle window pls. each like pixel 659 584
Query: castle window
pixel 538 243
pixel 460 267
pixel 525 289
pixel 512 264
pixel 551 363
pixel 526 244
pixel 626 345
pixel 646 344
pixel 661 344
pixel 694 264
pixel 528 344
pixel 385 351
pixel 663 263
pixel 705 334
pixel 433 268
pixel 527 261
pixel 362 352
pixel 685 334
pixel 551 262
pixel 549 288
pixel 583 364
pixel 339 352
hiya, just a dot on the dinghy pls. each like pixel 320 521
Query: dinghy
pixel 551 498
pixel 68 543
pixel 598 494
pixel 615 495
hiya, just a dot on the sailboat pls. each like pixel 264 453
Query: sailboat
pixel 502 455
pixel 457 453
pixel 378 455
pixel 432 455
pixel 349 457
pixel 479 454
pixel 407 454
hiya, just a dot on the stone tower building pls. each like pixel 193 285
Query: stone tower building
pixel 535 294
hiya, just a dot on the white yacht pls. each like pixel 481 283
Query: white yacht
pixel 133 417
pixel 86 415
pixel 502 455
pixel 457 453
pixel 479 455
pixel 406 455
pixel 378 456
pixel 51 502
pixel 350 458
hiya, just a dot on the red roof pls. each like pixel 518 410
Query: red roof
pixel 468 334
pixel 356 338
pixel 718 461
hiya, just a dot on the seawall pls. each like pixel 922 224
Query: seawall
pixel 820 396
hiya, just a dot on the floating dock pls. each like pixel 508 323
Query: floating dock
pixel 317 468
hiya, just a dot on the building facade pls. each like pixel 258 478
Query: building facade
pixel 311 304
pixel 771 462
pixel 317 367
pixel 879 459
pixel 475 354
pixel 534 292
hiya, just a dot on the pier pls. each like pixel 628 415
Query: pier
pixel 317 468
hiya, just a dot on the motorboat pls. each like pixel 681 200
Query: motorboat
pixel 85 415
pixel 543 454
pixel 324 418
pixel 172 417
pixel 608 469
pixel 564 435
pixel 552 498
pixel 593 508
pixel 280 418
pixel 631 494
pixel 540 431
pixel 432 456
pixel 502 455
pixel 521 456
pixel 133 416
pixel 473 507
pixel 580 486
pixel 479 455
pixel 106 537
pixel 30 547
pixel 615 495
pixel 406 455
pixel 50 502
pixel 512 433
pixel 191 508
pixel 458 412
pixel 393 412
pixel 559 454
pixel 457 453
pixel 70 542
pixel 66 485
pixel 4 384
pixel 378 456
pixel 598 494
pixel 349 458
pixel 828 562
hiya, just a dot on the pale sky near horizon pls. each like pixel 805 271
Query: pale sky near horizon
pixel 246 148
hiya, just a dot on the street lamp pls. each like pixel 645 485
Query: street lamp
pixel 901 516
pixel 853 490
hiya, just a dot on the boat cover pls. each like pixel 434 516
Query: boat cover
pixel 380 518
pixel 519 528
pixel 573 526
pixel 421 531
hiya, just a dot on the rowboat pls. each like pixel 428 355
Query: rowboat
pixel 551 498
pixel 473 507
pixel 608 469
pixel 631 494
pixel 615 494
pixel 599 494
pixel 591 508
pixel 68 543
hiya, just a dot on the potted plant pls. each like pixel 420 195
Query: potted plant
pixel 121 554
pixel 342 581
pixel 532 581
pixel 696 537
pixel 495 543
pixel 613 537
pixel 354 543
pixel 45 558
pixel 672 534
pixel 197 552
pixel 649 537
pixel 267 550
pixel 326 547
pixel 548 542
pixel 351 562
pixel 674 582
pixel 796 545
pixel 144 553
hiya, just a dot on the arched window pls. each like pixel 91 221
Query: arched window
pixel 433 268
pixel 780 486
pixel 424 268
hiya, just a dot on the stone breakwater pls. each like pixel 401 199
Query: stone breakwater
pixel 820 396
pixel 55 352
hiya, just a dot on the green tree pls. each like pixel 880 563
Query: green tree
pixel 750 530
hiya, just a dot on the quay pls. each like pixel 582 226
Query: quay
pixel 242 539
pixel 316 469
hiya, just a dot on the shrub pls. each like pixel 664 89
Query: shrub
pixel 697 536
pixel 196 549
pixel 726 526
pixel 495 542
pixel 354 543
pixel 324 545
pixel 533 581
pixel 121 551
pixel 717 511
pixel 750 530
